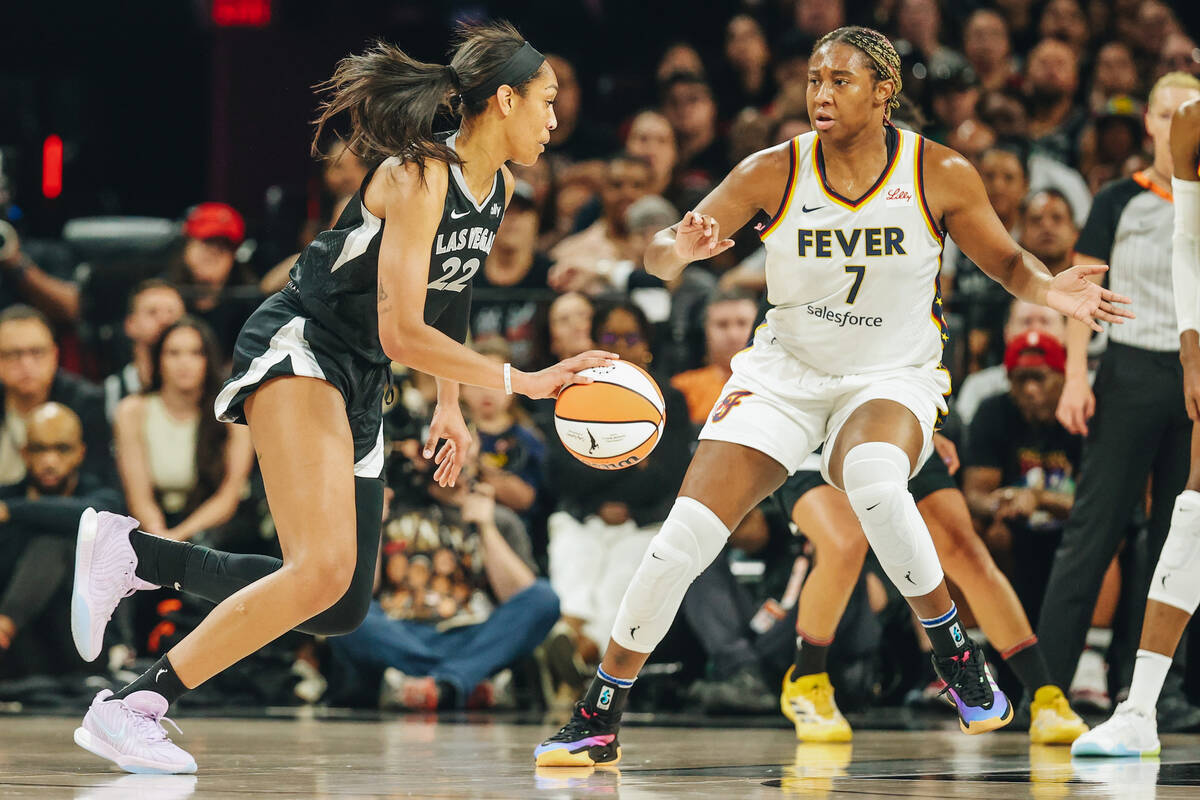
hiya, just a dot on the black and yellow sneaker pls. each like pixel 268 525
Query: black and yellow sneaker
pixel 589 738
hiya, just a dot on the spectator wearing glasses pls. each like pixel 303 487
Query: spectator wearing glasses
pixel 29 377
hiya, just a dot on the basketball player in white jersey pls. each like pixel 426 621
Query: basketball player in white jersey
pixel 1175 587
pixel 848 357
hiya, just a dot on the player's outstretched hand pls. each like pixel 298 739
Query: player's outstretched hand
pixel 698 236
pixel 448 424
pixel 1073 294
pixel 549 381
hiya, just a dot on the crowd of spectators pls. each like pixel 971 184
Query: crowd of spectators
pixel 503 590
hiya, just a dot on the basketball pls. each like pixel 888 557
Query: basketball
pixel 614 422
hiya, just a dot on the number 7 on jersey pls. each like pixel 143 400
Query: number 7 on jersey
pixel 859 271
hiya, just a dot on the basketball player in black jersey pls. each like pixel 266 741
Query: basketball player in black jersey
pixel 390 282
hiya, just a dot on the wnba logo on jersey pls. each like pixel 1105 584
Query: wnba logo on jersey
pixel 722 409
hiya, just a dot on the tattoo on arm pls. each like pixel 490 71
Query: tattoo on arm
pixel 384 299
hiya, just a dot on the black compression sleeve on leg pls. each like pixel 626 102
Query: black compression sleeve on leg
pixel 216 574
pixel 160 561
pixel 348 613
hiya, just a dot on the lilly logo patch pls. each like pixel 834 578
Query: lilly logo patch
pixel 900 195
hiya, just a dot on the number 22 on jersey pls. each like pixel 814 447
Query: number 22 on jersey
pixel 451 267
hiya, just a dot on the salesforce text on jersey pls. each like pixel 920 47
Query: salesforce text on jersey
pixel 844 318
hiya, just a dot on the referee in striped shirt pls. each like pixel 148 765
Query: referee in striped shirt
pixel 1135 422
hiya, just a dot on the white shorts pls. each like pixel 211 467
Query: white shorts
pixel 784 408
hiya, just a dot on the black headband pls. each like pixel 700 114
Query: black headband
pixel 519 67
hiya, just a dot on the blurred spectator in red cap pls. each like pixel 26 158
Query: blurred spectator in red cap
pixel 215 286
pixel 1035 349
pixel 1023 317
pixel 1020 465
pixel 215 221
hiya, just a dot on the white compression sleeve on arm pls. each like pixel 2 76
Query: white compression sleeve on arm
pixel 1185 253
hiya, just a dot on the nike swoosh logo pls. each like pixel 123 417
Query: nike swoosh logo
pixel 872 508
pixel 806 209
pixel 656 555
pixel 458 216
pixel 111 733
pixel 160 672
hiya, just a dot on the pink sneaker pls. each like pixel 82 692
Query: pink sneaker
pixel 104 564
pixel 129 733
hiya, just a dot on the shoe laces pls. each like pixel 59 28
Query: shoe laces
pixel 968 678
pixel 1062 707
pixel 583 723
pixel 821 695
pixel 149 727
pixel 1126 714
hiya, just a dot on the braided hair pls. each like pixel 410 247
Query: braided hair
pixel 876 47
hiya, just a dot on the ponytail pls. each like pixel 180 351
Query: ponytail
pixel 393 99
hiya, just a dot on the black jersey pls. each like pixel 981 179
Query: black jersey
pixel 337 276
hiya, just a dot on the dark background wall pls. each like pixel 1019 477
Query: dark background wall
pixel 160 108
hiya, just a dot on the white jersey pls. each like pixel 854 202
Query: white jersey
pixel 854 285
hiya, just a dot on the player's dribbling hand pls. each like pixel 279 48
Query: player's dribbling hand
pixel 550 381
pixel 448 424
pixel 1072 293
pixel 698 236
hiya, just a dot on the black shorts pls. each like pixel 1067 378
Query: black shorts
pixel 933 476
pixel 278 340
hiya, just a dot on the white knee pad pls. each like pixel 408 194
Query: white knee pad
pixel 875 475
pixel 687 543
pixel 1177 577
